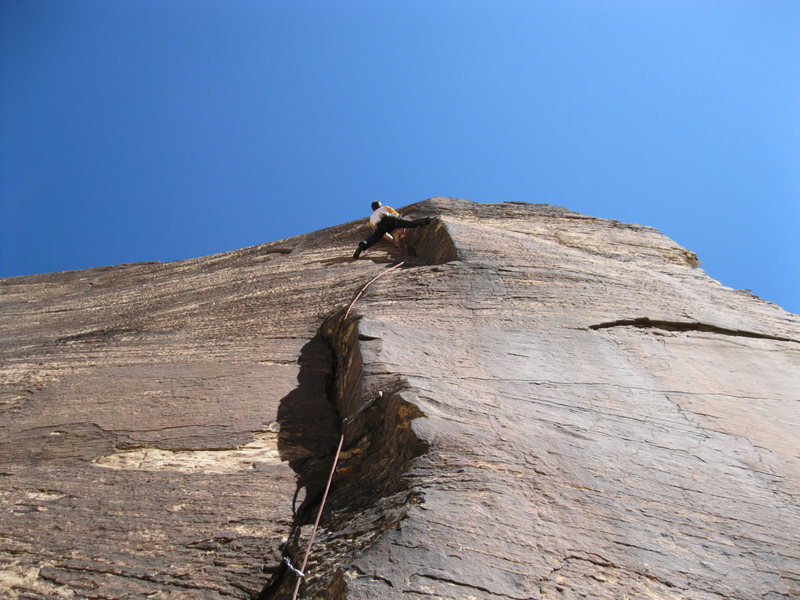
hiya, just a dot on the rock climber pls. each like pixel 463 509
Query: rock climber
pixel 385 219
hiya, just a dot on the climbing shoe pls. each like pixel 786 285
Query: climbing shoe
pixel 361 247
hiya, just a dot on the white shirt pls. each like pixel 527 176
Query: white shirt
pixel 380 213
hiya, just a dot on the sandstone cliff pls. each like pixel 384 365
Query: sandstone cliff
pixel 540 404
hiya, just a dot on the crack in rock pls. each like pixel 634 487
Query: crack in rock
pixel 683 326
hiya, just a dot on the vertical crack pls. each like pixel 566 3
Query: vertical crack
pixel 369 493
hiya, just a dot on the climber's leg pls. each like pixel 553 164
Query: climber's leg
pixel 371 240
pixel 406 223
pixel 386 225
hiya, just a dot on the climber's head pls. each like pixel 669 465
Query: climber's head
pixel 376 205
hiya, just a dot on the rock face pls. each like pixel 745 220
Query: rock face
pixel 537 404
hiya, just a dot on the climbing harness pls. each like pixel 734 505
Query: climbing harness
pixel 301 572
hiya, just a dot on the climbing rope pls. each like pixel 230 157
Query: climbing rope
pixel 369 283
pixel 301 571
pixel 316 523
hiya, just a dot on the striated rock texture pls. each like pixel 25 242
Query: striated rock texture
pixel 538 404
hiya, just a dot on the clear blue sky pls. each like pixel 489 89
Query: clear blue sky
pixel 137 130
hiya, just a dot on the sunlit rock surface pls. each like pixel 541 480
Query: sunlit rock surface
pixel 545 405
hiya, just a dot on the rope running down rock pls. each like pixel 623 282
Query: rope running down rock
pixel 301 572
pixel 369 283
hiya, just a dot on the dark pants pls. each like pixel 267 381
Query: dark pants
pixel 388 224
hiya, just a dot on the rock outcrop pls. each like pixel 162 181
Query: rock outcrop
pixel 537 404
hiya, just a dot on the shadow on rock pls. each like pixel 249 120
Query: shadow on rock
pixel 307 440
pixel 309 428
